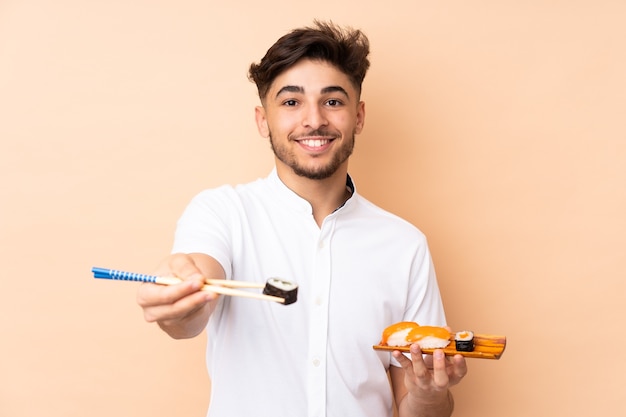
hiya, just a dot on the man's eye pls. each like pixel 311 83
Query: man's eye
pixel 290 102
pixel 333 102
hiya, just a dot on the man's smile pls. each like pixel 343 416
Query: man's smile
pixel 314 143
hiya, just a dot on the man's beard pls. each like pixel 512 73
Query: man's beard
pixel 314 173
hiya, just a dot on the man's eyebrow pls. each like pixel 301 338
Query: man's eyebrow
pixel 300 90
pixel 290 89
pixel 335 89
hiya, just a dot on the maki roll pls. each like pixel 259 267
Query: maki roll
pixel 464 341
pixel 280 288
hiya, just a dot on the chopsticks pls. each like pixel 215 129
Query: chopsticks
pixel 219 286
pixel 234 284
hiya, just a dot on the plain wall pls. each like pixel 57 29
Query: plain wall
pixel 496 127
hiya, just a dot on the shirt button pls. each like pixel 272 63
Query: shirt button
pixel 318 301
pixel 321 244
pixel 316 362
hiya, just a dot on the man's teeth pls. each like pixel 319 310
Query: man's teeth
pixel 315 143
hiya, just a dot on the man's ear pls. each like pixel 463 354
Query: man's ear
pixel 261 121
pixel 360 118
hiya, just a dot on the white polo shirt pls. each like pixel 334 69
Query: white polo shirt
pixel 362 271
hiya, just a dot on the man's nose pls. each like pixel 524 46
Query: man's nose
pixel 314 117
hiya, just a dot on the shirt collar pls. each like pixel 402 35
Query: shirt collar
pixel 293 200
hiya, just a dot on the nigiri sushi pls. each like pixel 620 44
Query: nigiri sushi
pixel 406 333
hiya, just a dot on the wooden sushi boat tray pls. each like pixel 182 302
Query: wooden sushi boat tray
pixel 485 347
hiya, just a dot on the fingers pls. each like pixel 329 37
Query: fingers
pixel 420 368
pixel 459 369
pixel 429 385
pixel 405 362
pixel 415 368
pixel 430 370
pixel 180 309
pixel 149 295
pixel 440 372
pixel 183 266
pixel 174 302
pixel 436 370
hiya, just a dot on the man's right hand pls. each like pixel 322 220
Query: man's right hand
pixel 181 310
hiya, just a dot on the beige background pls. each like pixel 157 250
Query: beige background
pixel 497 127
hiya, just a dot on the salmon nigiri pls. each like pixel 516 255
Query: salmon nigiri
pixel 406 333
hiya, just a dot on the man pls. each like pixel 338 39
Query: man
pixel 358 267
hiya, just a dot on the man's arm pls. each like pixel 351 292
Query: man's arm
pixel 182 310
pixel 421 387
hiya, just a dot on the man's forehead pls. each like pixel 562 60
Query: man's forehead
pixel 311 77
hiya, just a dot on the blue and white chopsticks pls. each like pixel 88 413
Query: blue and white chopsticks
pixel 131 276
pixel 219 286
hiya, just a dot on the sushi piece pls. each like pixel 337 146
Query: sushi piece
pixel 406 333
pixel 280 288
pixel 396 334
pixel 464 341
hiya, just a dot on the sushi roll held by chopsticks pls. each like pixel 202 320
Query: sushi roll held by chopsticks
pixel 275 289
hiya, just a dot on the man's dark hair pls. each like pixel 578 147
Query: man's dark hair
pixel 346 49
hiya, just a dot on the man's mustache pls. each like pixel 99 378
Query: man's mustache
pixel 316 132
